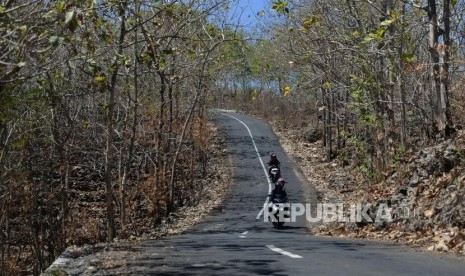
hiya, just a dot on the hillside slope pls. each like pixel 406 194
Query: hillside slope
pixel 425 192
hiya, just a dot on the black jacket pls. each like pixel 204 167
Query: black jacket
pixel 274 162
pixel 278 194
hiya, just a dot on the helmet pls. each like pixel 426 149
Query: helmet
pixel 280 183
pixel 273 156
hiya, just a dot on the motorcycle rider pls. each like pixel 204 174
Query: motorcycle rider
pixel 273 162
pixel 278 204
pixel 279 190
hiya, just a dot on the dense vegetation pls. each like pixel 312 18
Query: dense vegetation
pixel 378 78
pixel 111 96
pixel 103 96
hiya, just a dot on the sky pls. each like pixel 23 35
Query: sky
pixel 249 10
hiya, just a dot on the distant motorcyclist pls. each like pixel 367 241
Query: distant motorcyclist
pixel 273 162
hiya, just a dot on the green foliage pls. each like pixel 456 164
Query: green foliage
pixel 399 155
pixel 367 171
pixel 379 33
pixel 402 150
pixel 361 159
pixel 362 90
pixel 358 145
pixel 408 57
pixel 369 118
pixel 310 22
pixel 281 7
pixel 376 35
pixel 326 85
pixel 344 156
pixel 7 103
pixel 460 154
pixel 60 6
pixel 387 22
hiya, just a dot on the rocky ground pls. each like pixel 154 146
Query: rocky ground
pixel 425 194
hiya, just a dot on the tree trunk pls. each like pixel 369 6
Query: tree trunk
pixel 325 121
pixel 444 71
pixel 130 152
pixel 439 114
pixel 109 128
pixel 401 80
pixel 328 125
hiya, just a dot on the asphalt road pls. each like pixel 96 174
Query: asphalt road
pixel 232 241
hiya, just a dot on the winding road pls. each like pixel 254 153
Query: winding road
pixel 232 241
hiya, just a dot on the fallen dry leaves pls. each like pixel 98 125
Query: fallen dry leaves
pixel 437 202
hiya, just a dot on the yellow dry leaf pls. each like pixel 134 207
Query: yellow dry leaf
pixel 287 90
pixel 100 78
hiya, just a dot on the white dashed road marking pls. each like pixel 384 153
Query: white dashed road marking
pixel 244 235
pixel 280 251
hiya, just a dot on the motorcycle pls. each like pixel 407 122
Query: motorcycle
pixel 278 203
pixel 275 173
